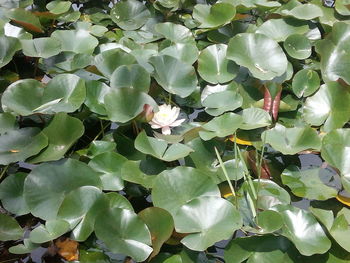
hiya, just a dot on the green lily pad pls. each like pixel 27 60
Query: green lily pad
pixel 221 126
pixel 109 164
pixel 208 219
pixel 62 132
pixel 298 46
pixel 335 48
pixel 215 15
pixel 261 55
pixel 174 32
pixel 160 224
pixel 98 147
pixel 7 122
pixel 41 47
pixel 328 106
pixel 342 7
pixel 8 47
pixel 214 67
pixel 186 52
pixel 253 118
pixel 340 230
pixel 58 7
pixel 335 150
pixel 130 14
pixel 64 93
pixel 305 83
pixel 131 76
pixel 52 230
pixel 124 104
pixel 77 41
pixel 131 172
pixel 95 94
pixel 308 183
pixel 302 228
pixel 108 61
pixel 80 209
pixel 159 148
pixel 11 194
pixel 257 249
pixel 9 228
pixel 174 75
pixel 220 98
pixel 18 145
pixel 47 185
pixel 174 188
pixel 292 140
pixel 304 12
pixel 269 221
pixel 24 248
pixel 124 232
pixel 280 29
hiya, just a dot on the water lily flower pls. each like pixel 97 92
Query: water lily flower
pixel 165 118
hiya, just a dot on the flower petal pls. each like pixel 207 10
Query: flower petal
pixel 166 130
pixel 177 123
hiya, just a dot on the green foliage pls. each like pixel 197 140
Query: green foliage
pixel 155 129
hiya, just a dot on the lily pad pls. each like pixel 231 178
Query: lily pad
pixel 186 52
pixel 159 148
pixel 174 75
pixel 305 83
pixel 11 194
pixel 8 47
pixel 26 19
pixel 253 118
pixel 95 94
pixel 304 12
pixel 261 55
pixel 18 145
pixel 298 46
pixel 7 122
pixel 123 231
pixel 174 188
pixel 302 228
pixel 52 230
pixel 328 106
pixel 221 126
pixel 41 47
pixel 292 140
pixel 58 7
pixel 130 14
pixel 308 183
pixel 335 48
pixel 131 76
pixel 214 67
pixel 215 15
pixel 62 132
pixel 9 228
pixel 124 104
pixel 77 41
pixel 47 185
pixel 335 150
pixel 208 219
pixel 174 32
pixel 109 164
pixel 161 225
pixel 108 61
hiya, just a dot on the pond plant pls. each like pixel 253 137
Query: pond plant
pixel 175 131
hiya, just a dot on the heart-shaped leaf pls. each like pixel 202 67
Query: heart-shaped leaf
pixel 124 232
pixel 52 230
pixel 329 106
pixel 130 14
pixel 261 55
pixel 214 67
pixel 131 76
pixel 305 83
pixel 298 46
pixel 41 47
pixel 8 47
pixel 11 194
pixel 208 219
pixel 18 145
pixel 292 140
pixel 9 228
pixel 174 188
pixel 215 15
pixel 47 185
pixel 174 75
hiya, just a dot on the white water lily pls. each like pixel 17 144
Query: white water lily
pixel 165 118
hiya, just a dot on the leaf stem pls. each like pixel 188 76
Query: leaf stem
pixel 225 172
